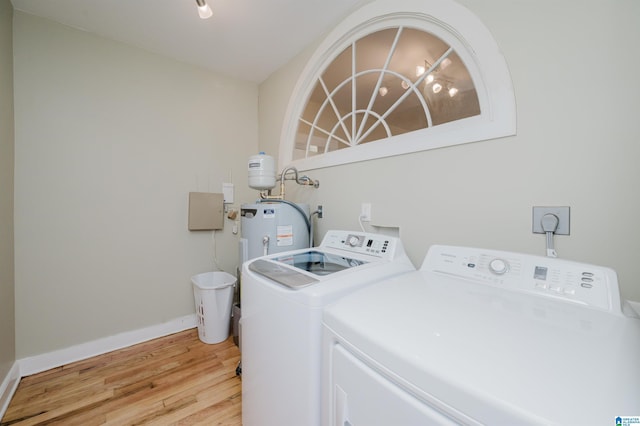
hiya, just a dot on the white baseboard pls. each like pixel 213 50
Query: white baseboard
pixel 8 387
pixel 43 362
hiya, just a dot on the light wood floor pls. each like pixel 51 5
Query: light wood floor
pixel 174 380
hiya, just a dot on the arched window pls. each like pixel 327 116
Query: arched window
pixel 386 83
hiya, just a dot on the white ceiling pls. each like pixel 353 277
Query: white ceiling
pixel 247 39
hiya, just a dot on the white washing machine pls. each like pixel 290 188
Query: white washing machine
pixel 483 337
pixel 283 296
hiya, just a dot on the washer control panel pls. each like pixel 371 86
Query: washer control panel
pixel 573 282
pixel 382 246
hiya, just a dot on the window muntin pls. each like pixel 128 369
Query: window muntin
pixel 393 81
pixel 323 129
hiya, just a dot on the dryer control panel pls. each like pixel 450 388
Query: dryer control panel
pixel 573 282
pixel 382 246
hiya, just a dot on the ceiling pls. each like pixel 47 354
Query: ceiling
pixel 247 39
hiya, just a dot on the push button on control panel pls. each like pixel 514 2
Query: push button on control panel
pixel 542 285
pixel 586 281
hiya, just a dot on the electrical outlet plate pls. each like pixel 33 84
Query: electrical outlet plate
pixel 365 212
pixel 227 192
pixel 563 214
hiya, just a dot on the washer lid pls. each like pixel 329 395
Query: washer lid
pixel 285 269
pixel 281 274
pixel 319 263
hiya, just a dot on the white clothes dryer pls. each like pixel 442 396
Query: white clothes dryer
pixel 483 337
pixel 283 296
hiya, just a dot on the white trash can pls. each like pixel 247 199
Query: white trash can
pixel 213 295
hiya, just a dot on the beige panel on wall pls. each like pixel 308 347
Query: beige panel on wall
pixel 206 211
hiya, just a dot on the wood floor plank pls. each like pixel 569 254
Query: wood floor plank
pixel 214 406
pixel 62 394
pixel 200 383
pixel 49 415
pixel 214 409
pixel 176 379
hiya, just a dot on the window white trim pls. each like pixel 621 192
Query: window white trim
pixel 454 24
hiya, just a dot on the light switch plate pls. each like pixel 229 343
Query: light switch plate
pixel 563 214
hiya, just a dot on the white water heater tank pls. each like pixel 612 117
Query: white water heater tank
pixel 273 227
pixel 262 172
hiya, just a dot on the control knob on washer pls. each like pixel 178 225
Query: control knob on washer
pixel 498 266
pixel 353 240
